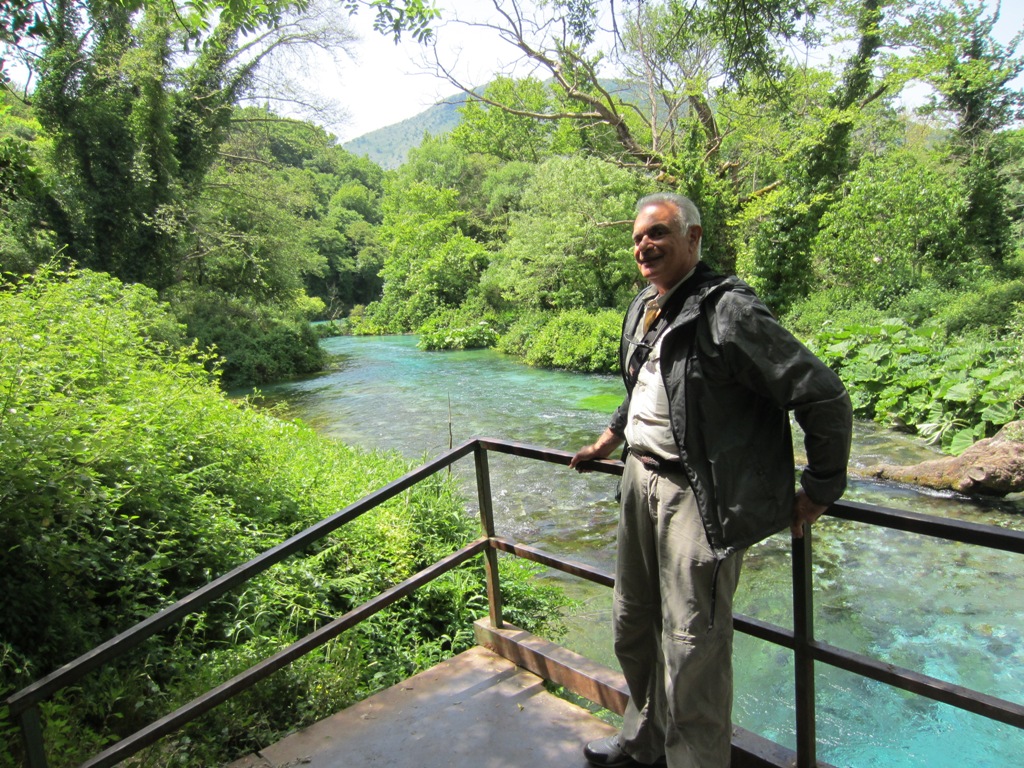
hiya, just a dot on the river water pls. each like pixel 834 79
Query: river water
pixel 947 610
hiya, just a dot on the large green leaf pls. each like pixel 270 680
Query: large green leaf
pixel 999 413
pixel 960 393
pixel 961 441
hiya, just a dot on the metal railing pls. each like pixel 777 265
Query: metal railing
pixel 24 705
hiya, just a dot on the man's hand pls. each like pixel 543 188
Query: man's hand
pixel 804 511
pixel 602 449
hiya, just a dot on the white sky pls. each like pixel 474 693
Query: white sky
pixel 387 83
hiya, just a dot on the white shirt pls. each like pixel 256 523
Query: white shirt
pixel 648 427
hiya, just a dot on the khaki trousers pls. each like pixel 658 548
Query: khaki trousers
pixel 677 666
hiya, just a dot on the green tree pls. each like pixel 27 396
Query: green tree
pixel 778 259
pixel 442 163
pixel 103 97
pixel 27 204
pixel 895 229
pixel 134 133
pixel 568 246
pixel 971 74
pixel 683 61
pixel 510 132
pixel 430 265
pixel 159 180
pixel 324 200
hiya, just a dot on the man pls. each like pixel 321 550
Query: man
pixel 711 378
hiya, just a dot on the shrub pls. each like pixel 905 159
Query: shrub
pixel 257 344
pixel 129 480
pixel 578 341
pixel 457 329
pixel 951 390
pixel 990 307
pixel 517 339
pixel 829 308
pixel 897 228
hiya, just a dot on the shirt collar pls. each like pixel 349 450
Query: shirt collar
pixel 662 300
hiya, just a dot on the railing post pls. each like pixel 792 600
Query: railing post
pixel 803 635
pixel 483 491
pixel 32 733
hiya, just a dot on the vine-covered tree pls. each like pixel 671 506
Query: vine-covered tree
pixel 972 74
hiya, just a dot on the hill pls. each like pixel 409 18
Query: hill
pixel 389 146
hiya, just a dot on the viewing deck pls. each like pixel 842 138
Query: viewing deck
pixel 472 711
pixel 481 710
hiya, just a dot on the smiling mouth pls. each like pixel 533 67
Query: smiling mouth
pixel 649 259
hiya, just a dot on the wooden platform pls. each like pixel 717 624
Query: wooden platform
pixel 477 710
pixel 485 708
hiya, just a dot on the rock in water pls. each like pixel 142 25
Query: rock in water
pixel 991 467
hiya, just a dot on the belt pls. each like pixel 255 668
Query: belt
pixel 657 463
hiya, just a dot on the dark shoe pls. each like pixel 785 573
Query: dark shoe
pixel 608 752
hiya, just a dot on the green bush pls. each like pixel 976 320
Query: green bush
pixel 951 390
pixel 829 308
pixel 575 340
pixel 257 343
pixel 578 341
pixel 991 306
pixel 517 339
pixel 457 329
pixel 370 320
pixel 774 256
pixel 128 479
pixel 896 228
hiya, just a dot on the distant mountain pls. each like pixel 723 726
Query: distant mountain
pixel 389 146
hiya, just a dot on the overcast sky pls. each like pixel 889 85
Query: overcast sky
pixel 386 84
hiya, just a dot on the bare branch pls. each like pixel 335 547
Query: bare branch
pixel 575 76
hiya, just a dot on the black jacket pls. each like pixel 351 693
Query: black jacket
pixel 733 374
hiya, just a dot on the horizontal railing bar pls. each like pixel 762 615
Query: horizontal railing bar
pixel 990 536
pixel 202 704
pixel 967 699
pixel 751 626
pixel 74 670
pixel 571 567
pixel 764 631
pixel 607 466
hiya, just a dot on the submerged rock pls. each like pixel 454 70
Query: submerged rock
pixel 991 467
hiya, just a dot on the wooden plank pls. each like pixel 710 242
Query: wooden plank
pixel 550 661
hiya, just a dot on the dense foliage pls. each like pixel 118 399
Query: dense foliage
pixel 816 183
pixel 206 235
pixel 127 480
pixel 953 392
pixel 134 159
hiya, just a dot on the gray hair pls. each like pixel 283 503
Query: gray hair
pixel 687 214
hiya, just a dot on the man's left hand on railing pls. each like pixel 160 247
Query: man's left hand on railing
pixel 805 510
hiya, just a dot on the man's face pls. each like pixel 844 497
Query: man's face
pixel 664 254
